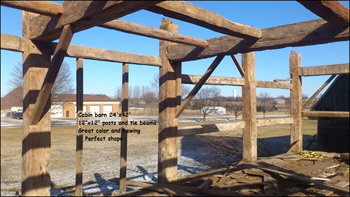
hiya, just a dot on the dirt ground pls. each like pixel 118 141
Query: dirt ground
pixel 101 159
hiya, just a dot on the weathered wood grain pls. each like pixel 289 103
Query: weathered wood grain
pixel 52 73
pixel 270 122
pixel 193 130
pixel 36 138
pixel 10 42
pixel 250 143
pixel 338 114
pixel 47 8
pixel 151 32
pixel 167 127
pixel 83 15
pixel 291 35
pixel 194 79
pixel 111 55
pixel 324 70
pixel 296 101
pixel 334 12
pixel 193 14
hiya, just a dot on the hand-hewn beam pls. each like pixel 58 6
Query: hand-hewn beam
pixel 250 143
pixel 295 101
pixel 338 114
pixel 232 81
pixel 194 79
pixel 151 32
pixel 52 73
pixel 47 8
pixel 83 15
pixel 298 34
pixel 110 55
pixel 193 14
pixel 334 12
pixel 200 83
pixel 12 43
pixel 324 70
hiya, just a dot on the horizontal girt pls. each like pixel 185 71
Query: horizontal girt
pixel 297 34
pixel 13 43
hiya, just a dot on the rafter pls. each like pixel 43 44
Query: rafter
pixel 297 34
pixel 334 12
pixel 46 8
pixel 188 12
pixel 83 15
pixel 151 32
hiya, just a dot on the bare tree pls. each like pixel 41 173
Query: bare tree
pixel 118 92
pixel 206 100
pixel 185 90
pixel 63 83
pixel 265 103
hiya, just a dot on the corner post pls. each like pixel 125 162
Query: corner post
pixel 296 102
pixel 36 141
pixel 168 124
pixel 250 150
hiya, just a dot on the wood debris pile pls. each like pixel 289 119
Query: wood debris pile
pixel 282 175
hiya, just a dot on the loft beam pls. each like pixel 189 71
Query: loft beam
pixel 292 35
pixel 151 32
pixel 334 12
pixel 188 12
pixel 83 15
pixel 46 8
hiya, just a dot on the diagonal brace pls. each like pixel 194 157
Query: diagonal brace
pixel 238 65
pixel 318 91
pixel 200 83
pixel 56 62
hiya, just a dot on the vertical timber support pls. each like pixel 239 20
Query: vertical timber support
pixel 168 124
pixel 250 150
pixel 296 102
pixel 124 135
pixel 79 136
pixel 36 142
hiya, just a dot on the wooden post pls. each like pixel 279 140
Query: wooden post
pixel 79 136
pixel 250 151
pixel 124 135
pixel 296 102
pixel 167 127
pixel 36 142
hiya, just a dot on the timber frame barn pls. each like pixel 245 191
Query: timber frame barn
pixel 44 22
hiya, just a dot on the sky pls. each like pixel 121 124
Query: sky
pixel 102 77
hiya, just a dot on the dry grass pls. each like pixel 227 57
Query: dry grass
pixel 101 159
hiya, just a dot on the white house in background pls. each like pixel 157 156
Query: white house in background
pixel 280 101
pixel 214 110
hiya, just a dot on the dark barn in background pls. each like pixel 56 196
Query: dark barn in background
pixel 333 132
